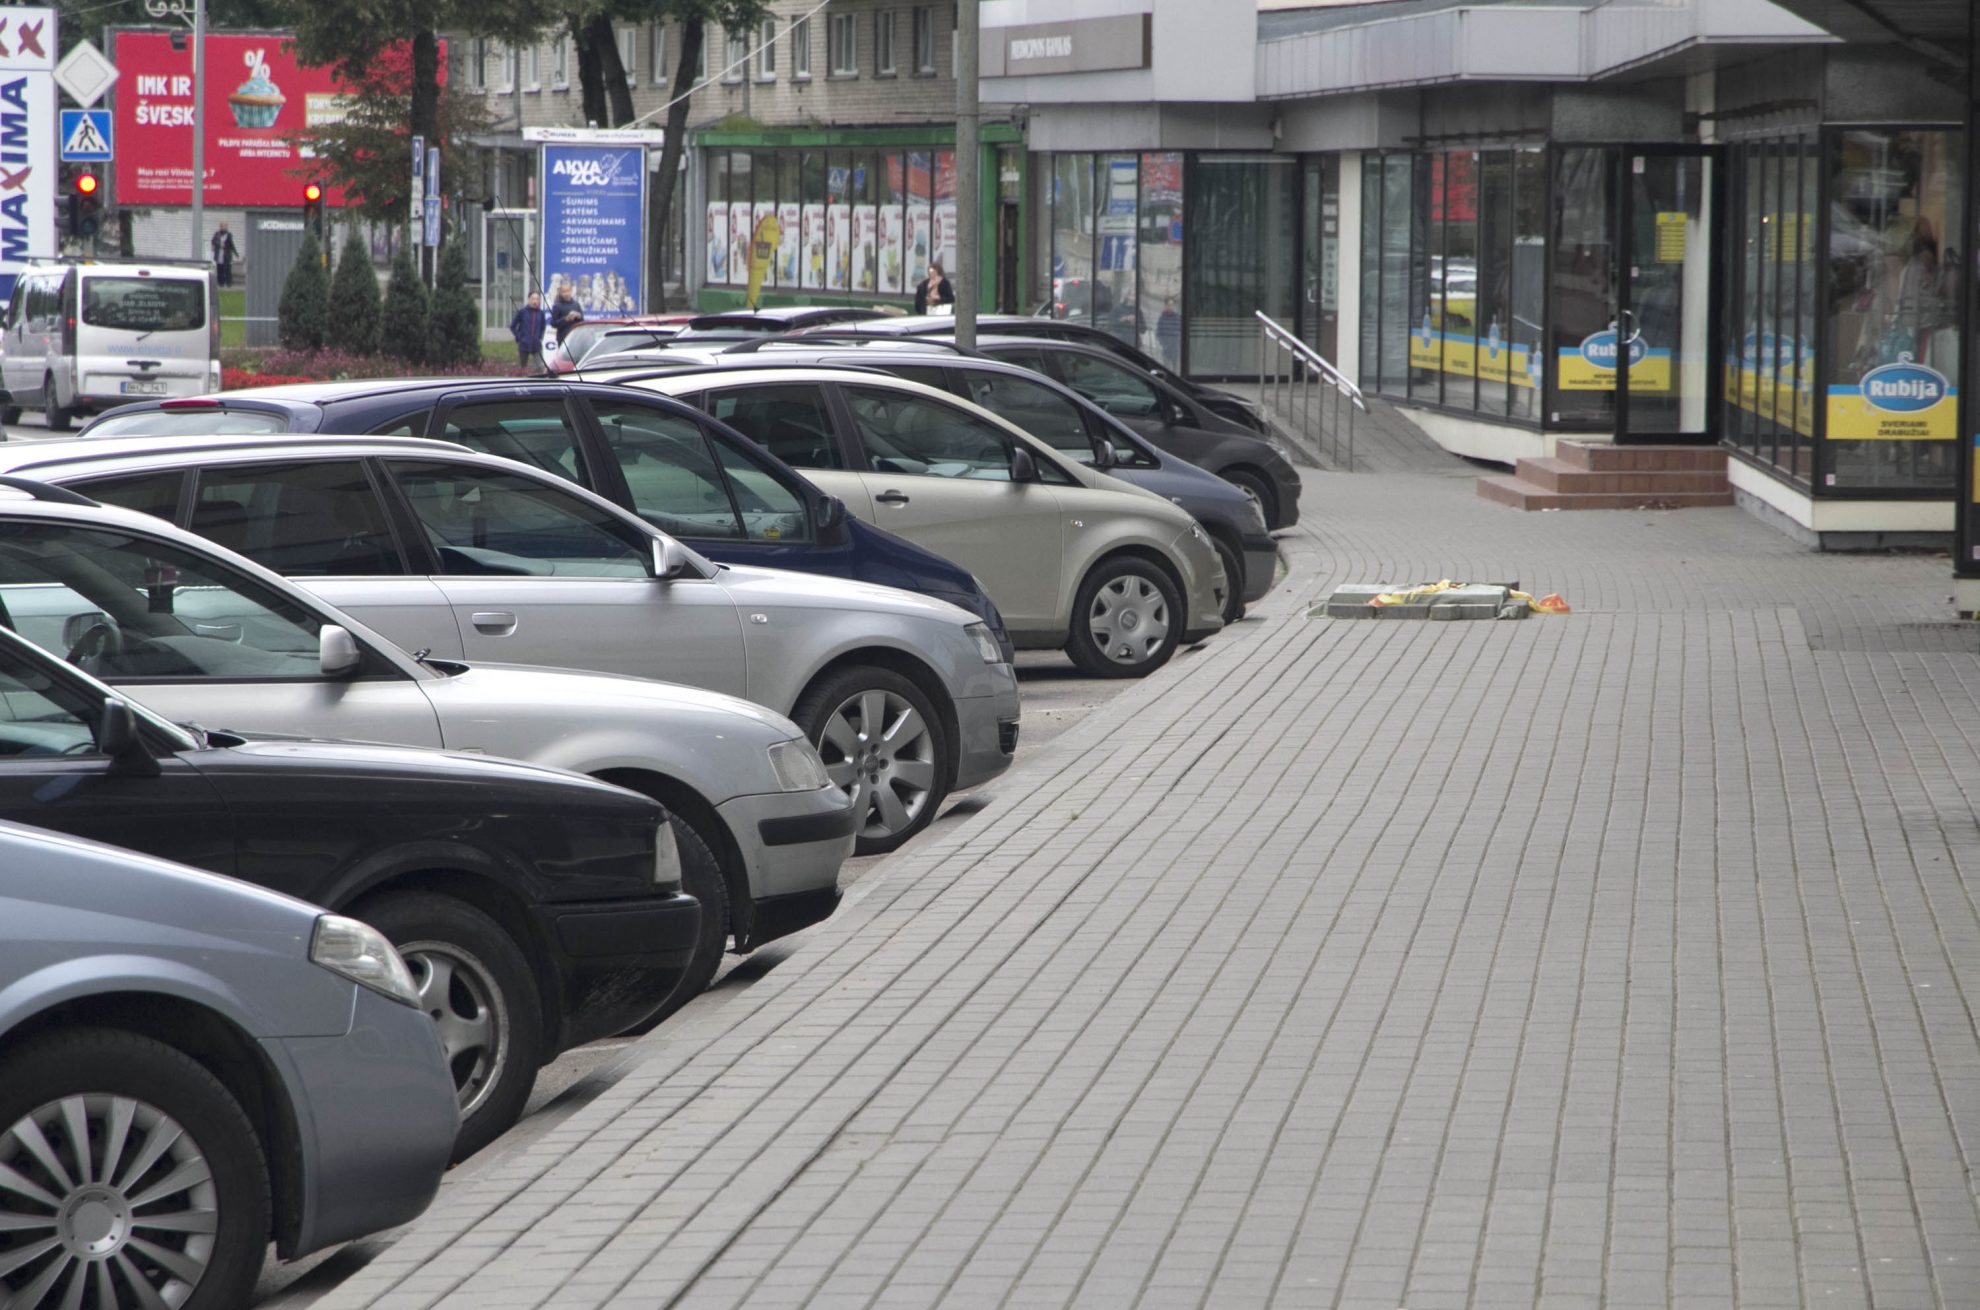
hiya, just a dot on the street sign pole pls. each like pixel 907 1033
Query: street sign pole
pixel 199 131
pixel 969 159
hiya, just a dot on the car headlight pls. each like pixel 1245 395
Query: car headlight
pixel 666 858
pixel 797 766
pixel 1280 448
pixel 359 952
pixel 986 645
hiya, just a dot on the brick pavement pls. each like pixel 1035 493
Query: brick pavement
pixel 1620 958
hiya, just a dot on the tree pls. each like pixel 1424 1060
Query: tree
pixel 402 329
pixel 305 299
pixel 605 93
pixel 694 16
pixel 453 332
pixel 352 323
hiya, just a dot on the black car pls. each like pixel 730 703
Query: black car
pixel 1224 404
pixel 1174 421
pixel 537 909
pixel 643 452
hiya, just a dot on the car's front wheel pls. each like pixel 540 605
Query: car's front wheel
pixel 1126 620
pixel 129 1176
pixel 884 745
pixel 475 984
pixel 1259 491
pixel 1233 581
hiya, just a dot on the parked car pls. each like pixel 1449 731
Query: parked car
pixel 191 1068
pixel 739 324
pixel 608 334
pixel 1226 405
pixel 1114 575
pixel 536 909
pixel 779 519
pixel 82 337
pixel 764 831
pixel 1067 422
pixel 1166 416
pixel 465 556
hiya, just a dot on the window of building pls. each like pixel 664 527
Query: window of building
pixel 560 64
pixel 1225 282
pixel 736 57
pixel 511 57
pixel 766 55
pixel 883 42
pixel 629 54
pixel 924 39
pixel 701 60
pixel 534 82
pixel 478 63
pixel 842 42
pixel 800 39
pixel 656 54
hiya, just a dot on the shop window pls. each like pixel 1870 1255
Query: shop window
pixel 1158 260
pixel 1072 237
pixel 1893 300
pixel 1583 290
pixel 1370 372
pixel 1226 282
pixel 1115 248
pixel 1528 283
pixel 945 212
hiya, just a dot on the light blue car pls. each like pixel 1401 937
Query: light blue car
pixel 191 1067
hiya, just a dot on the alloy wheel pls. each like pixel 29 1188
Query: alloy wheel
pixel 468 1013
pixel 104 1199
pixel 879 751
pixel 1129 619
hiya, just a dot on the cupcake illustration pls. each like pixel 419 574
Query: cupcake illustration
pixel 257 102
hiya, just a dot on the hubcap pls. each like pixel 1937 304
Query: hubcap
pixel 103 1198
pixel 877 749
pixel 468 1012
pixel 1129 620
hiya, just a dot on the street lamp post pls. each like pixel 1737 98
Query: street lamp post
pixel 193 13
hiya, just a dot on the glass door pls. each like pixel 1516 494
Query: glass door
pixel 1665 335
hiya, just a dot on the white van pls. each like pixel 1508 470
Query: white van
pixel 82 337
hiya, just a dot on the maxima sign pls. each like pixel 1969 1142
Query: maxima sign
pixel 1080 45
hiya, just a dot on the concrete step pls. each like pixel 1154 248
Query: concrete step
pixel 1561 475
pixel 1521 494
pixel 1606 457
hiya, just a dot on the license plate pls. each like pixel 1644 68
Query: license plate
pixel 144 387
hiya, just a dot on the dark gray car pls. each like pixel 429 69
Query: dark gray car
pixel 189 1068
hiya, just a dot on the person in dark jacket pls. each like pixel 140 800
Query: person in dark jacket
pixel 565 312
pixel 527 328
pixel 933 289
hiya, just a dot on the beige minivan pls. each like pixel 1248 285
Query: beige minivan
pixel 82 336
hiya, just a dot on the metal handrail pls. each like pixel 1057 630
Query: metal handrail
pixel 1298 370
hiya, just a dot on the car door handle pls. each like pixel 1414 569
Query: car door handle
pixel 496 623
pixel 891 497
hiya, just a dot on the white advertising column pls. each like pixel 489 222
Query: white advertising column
pixel 30 185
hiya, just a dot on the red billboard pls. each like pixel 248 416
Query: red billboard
pixel 258 98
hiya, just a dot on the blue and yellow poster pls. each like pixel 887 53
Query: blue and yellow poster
pixel 1591 366
pixel 593 221
pixel 1895 402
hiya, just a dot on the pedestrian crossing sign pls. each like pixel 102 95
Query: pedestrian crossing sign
pixel 86 135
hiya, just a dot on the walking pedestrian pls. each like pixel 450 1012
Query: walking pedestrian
pixel 527 328
pixel 224 252
pixel 933 289
pixel 1168 332
pixel 565 312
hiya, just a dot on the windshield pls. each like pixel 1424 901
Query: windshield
pixel 215 422
pixel 144 304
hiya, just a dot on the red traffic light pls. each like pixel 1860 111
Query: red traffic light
pixel 312 193
pixel 86 184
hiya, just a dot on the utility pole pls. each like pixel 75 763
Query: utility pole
pixel 199 130
pixel 969 159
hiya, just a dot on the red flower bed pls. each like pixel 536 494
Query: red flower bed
pixel 270 368
pixel 233 379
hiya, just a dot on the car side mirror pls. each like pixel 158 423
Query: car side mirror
pixel 1023 467
pixel 337 653
pixel 831 512
pixel 117 736
pixel 1103 455
pixel 670 559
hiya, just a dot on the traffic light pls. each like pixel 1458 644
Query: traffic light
pixel 85 206
pixel 313 209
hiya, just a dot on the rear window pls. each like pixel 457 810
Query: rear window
pixel 144 304
pixel 188 423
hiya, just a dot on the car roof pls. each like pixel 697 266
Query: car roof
pixel 41 458
pixel 782 314
pixel 917 324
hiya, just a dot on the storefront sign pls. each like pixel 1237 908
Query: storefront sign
pixel 1080 45
pixel 258 100
pixel 29 186
pixel 1591 366
pixel 1895 402
pixel 592 221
